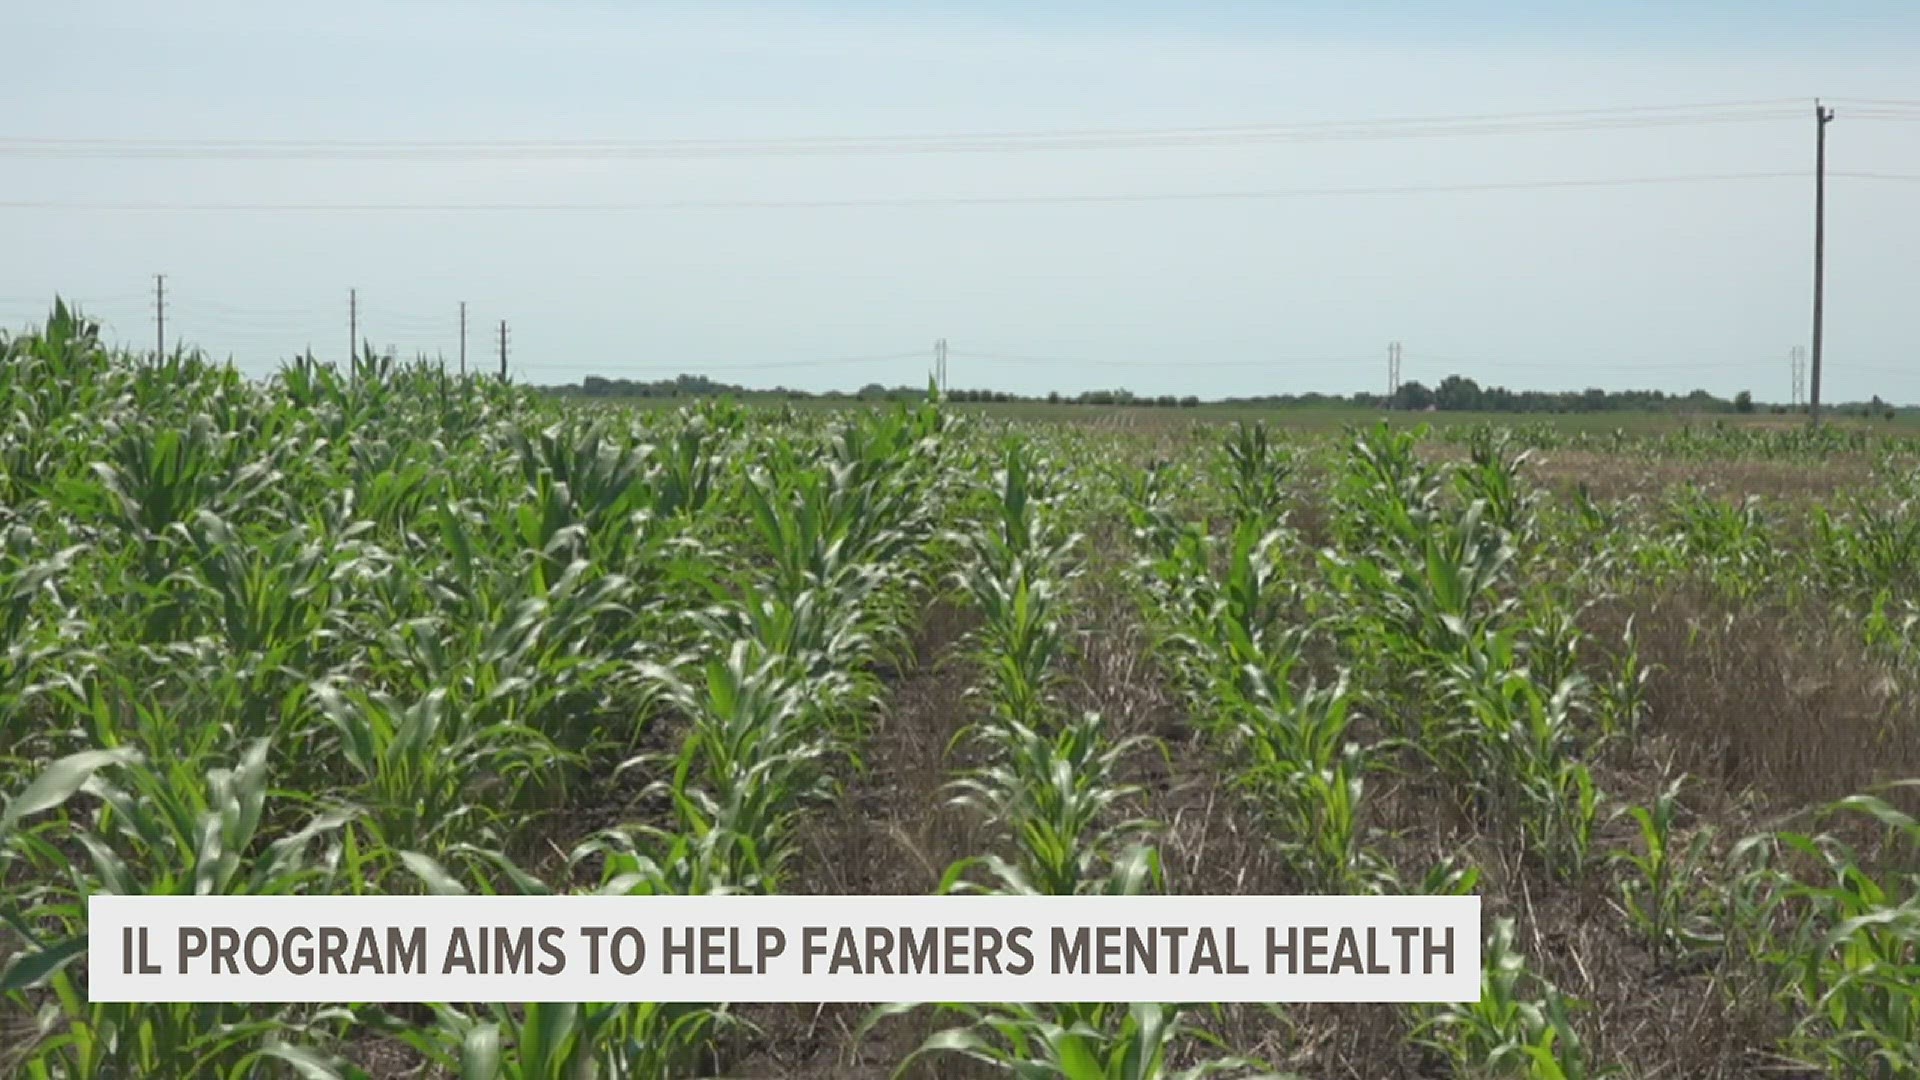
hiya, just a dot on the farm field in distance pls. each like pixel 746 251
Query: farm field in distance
pixel 1330 419
pixel 1646 687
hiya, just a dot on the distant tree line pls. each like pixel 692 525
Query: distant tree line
pixel 701 386
pixel 680 386
pixel 1455 393
pixel 1085 397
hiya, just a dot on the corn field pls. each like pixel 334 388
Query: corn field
pixel 384 631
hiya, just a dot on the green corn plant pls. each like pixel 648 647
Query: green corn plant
pixel 159 478
pixel 428 774
pixel 604 474
pixel 1620 698
pixel 30 640
pixel 154 833
pixel 756 753
pixel 1733 542
pixel 1493 478
pixel 1870 548
pixel 1513 743
pixel 1056 797
pixel 61 367
pixel 1096 1042
pixel 1426 605
pixel 1256 475
pixel 1236 650
pixel 819 639
pixel 1665 894
pixel 1021 641
pixel 1254 599
pixel 273 601
pixel 561 1040
pixel 686 467
pixel 1548 642
pixel 1509 1032
pixel 1148 496
pixel 1852 963
pixel 1021 517
pixel 1384 495
pixel 566 1041
pixel 1308 777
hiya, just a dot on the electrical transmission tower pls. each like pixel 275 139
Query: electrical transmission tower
pixel 1393 371
pixel 1797 359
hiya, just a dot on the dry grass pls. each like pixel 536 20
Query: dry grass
pixel 1780 703
pixel 1610 477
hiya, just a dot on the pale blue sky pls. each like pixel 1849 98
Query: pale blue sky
pixel 1672 286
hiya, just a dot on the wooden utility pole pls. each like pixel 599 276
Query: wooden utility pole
pixel 353 325
pixel 463 339
pixel 503 350
pixel 1822 116
pixel 159 316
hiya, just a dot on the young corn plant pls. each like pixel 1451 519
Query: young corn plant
pixel 1256 471
pixel 428 775
pixel 566 1040
pixel 1492 477
pixel 1056 798
pixel 153 832
pixel 1851 964
pixel 34 632
pixel 1666 893
pixel 1092 1042
pixel 1521 1026
pixel 755 756
pixel 1308 777
pixel 1513 744
pixel 558 1040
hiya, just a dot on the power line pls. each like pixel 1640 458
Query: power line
pixel 917 354
pixel 244 320
pixel 1267 361
pixel 1016 358
pixel 1538 122
pixel 917 201
pixel 243 311
pixel 143 299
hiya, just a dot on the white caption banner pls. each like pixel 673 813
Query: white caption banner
pixel 783 948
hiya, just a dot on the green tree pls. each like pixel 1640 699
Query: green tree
pixel 1457 394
